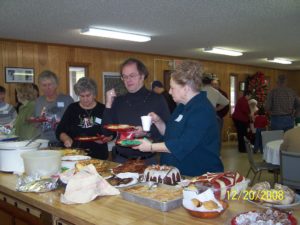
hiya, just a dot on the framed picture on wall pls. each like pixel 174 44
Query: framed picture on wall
pixel 242 86
pixel 19 75
pixel 112 80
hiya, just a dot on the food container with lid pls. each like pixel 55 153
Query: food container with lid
pixel 42 163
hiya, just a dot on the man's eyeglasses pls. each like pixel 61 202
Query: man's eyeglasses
pixel 131 76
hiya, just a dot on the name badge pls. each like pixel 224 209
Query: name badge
pixel 98 120
pixel 60 104
pixel 179 118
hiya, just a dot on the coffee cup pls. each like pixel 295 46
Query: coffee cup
pixel 146 123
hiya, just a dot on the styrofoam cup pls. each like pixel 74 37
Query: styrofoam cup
pixel 146 122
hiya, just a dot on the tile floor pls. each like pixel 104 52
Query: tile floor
pixel 235 161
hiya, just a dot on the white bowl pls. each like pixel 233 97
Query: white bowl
pixel 17 145
pixel 70 160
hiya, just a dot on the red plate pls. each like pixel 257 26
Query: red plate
pixel 119 127
pixel 90 138
pixel 37 119
pixel 291 218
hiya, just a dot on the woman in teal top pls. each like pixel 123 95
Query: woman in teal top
pixel 26 95
pixel 191 136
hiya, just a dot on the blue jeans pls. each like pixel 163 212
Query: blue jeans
pixel 258 140
pixel 282 122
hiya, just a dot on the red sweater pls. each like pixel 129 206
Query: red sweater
pixel 241 110
pixel 260 121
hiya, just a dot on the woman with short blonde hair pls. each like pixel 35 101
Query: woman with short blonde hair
pixel 191 136
pixel 27 96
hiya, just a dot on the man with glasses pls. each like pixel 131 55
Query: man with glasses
pixel 128 109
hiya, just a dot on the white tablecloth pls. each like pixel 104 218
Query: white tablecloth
pixel 271 152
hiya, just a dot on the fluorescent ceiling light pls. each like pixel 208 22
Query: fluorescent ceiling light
pixel 279 60
pixel 115 34
pixel 223 51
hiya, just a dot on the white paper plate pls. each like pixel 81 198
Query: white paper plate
pixel 268 205
pixel 75 157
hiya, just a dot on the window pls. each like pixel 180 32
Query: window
pixel 233 92
pixel 75 73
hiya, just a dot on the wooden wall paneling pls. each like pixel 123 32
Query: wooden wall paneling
pixel 10 60
pixel 42 56
pixel 2 78
pixel 26 58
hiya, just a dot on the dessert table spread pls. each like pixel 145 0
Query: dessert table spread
pixel 114 210
pixel 271 152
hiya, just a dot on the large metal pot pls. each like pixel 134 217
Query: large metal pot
pixel 10 155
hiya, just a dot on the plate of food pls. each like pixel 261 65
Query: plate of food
pixel 92 138
pixel 269 216
pixel 203 205
pixel 280 197
pixel 119 127
pixel 68 151
pixel 123 179
pixel 131 165
pixel 101 166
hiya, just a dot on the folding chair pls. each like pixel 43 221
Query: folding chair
pixel 258 167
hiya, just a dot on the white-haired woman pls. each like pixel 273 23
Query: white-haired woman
pixel 84 119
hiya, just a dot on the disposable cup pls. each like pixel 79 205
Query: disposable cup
pixel 146 122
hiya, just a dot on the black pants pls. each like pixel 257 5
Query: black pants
pixel 241 129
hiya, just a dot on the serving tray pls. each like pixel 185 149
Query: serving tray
pixel 153 203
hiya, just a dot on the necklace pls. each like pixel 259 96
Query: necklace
pixel 88 112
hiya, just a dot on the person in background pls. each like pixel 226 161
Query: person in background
pixel 253 109
pixel 215 83
pixel 260 124
pixel 158 88
pixel 36 90
pixel 280 104
pixel 26 96
pixel 128 109
pixel 190 135
pixel 241 116
pixel 297 112
pixel 8 113
pixel 36 93
pixel 291 141
pixel 214 96
pixel 51 105
pixel 84 119
pixel 218 100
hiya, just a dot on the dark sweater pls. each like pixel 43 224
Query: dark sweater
pixel 78 122
pixel 128 109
